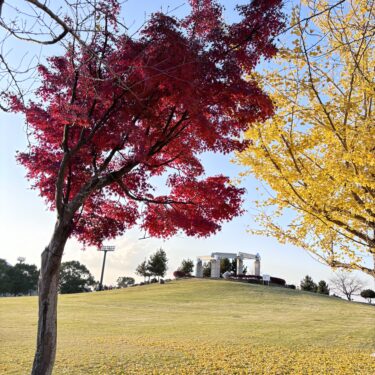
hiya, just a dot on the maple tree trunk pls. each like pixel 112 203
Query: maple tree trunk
pixel 45 353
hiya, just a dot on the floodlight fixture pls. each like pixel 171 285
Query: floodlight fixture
pixel 105 249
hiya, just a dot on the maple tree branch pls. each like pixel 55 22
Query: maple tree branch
pixel 60 201
pixel 64 143
pixel 110 177
pixel 173 133
pixel 112 153
pixel 104 48
pixel 68 185
pixel 163 163
pixel 67 29
pixel 97 182
pixel 168 122
pixel 59 185
pixel 5 109
pixel 157 147
pixel 29 39
pixel 12 75
pixel 149 200
pixel 85 140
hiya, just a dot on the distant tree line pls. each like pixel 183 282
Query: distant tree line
pixel 125 281
pixel 20 279
pixel 75 278
pixel 343 283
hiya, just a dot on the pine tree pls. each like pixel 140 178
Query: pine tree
pixel 308 284
pixel 323 287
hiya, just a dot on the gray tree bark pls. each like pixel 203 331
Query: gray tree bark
pixel 45 354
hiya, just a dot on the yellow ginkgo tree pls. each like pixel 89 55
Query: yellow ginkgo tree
pixel 318 152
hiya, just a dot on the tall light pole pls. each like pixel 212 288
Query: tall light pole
pixel 105 249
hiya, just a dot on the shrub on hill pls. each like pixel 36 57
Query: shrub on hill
pixel 247 277
pixel 207 269
pixel 179 274
pixel 255 279
pixel 187 266
pixel 369 294
pixel 278 281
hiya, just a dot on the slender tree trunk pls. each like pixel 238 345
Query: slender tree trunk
pixel 47 289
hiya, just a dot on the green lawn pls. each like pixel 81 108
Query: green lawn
pixel 195 327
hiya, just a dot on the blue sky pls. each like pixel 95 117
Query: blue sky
pixel 26 225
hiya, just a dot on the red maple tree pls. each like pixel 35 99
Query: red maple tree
pixel 111 115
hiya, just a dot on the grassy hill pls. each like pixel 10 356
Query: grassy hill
pixel 195 327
